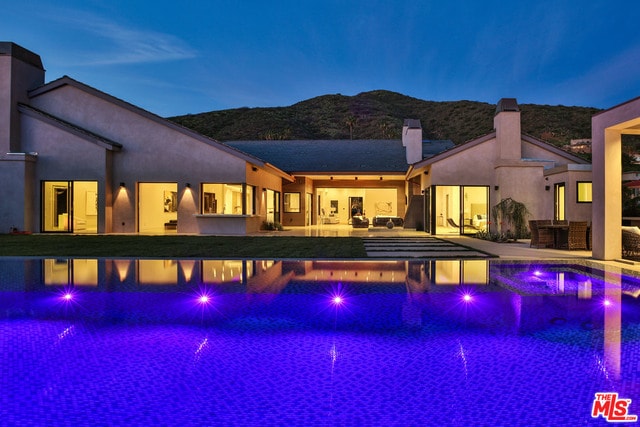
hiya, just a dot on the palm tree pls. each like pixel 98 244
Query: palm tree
pixel 351 122
pixel 387 130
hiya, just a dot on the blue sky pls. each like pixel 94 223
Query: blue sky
pixel 180 57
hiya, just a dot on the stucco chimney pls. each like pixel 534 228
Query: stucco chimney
pixel 508 131
pixel 20 71
pixel 412 140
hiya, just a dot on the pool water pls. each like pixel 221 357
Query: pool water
pixel 314 343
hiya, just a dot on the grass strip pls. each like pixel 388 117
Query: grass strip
pixel 181 246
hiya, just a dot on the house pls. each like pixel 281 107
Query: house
pixel 74 159
pixel 461 185
pixel 336 179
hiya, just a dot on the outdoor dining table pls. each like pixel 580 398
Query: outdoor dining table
pixel 560 234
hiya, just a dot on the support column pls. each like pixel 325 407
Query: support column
pixel 607 129
pixel 607 195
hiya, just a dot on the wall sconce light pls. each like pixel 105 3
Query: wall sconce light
pixel 264 190
pixel 426 172
pixel 546 178
pixel 331 178
pixel 380 178
pixel 422 191
pixel 188 185
pixel 356 178
pixel 496 187
pixel 122 185
pixel 253 168
pixel 547 187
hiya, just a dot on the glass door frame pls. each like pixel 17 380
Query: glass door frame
pixel 437 220
pixel 559 201
pixel 46 210
pixel 463 221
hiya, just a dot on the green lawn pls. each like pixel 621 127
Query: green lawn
pixel 182 246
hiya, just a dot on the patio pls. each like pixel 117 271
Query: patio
pixel 514 250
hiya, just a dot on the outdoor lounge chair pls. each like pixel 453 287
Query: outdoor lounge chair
pixel 577 235
pixel 452 223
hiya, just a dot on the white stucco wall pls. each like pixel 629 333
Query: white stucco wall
pixel 474 166
pixel 570 175
pixel 151 152
pixel 63 156
pixel 524 182
pixel 16 173
pixel 521 180
pixel 507 126
pixel 16 78
pixel 535 152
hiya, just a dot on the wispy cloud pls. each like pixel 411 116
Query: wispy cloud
pixel 115 43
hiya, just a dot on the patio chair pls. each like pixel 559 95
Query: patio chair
pixel 630 242
pixel 577 235
pixel 540 237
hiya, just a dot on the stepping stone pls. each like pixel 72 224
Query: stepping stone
pixel 427 247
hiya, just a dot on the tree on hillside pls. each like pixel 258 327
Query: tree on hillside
pixel 387 130
pixel 351 121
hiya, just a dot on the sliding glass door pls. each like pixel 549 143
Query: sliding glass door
pixel 69 206
pixel 458 209
pixel 475 209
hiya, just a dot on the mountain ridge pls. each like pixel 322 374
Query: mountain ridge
pixel 379 114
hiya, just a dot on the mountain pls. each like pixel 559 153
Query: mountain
pixel 380 114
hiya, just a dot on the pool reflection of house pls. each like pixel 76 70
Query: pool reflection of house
pixel 260 276
pixel 75 159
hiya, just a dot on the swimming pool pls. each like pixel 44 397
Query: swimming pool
pixel 101 342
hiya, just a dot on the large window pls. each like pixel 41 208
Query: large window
pixel 157 207
pixel 292 202
pixel 227 199
pixel 584 191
